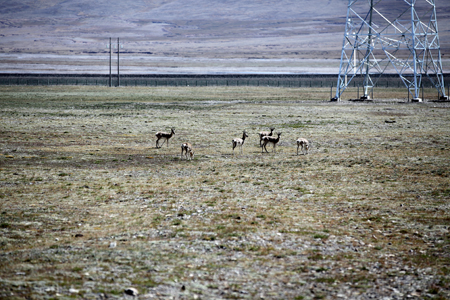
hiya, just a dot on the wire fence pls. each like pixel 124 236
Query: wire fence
pixel 167 81
pixel 285 81
pixel 199 80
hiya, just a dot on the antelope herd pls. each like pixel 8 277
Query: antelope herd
pixel 265 137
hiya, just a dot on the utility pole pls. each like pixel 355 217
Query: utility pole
pixel 110 46
pixel 118 62
pixel 110 52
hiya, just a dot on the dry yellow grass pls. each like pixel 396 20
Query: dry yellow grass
pixel 89 207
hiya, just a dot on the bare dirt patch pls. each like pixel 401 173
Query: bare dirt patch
pixel 89 207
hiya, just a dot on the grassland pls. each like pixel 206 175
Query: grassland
pixel 89 207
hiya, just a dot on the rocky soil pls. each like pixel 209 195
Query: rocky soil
pixel 90 209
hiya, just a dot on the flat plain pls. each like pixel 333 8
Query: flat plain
pixel 90 208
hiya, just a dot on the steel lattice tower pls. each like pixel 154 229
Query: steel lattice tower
pixel 394 36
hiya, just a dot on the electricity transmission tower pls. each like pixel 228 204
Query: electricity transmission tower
pixel 391 36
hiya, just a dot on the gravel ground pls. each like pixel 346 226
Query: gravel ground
pixel 90 209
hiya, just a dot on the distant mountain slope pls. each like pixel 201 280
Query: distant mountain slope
pixel 173 10
pixel 185 28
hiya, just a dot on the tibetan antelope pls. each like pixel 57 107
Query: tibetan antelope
pixel 239 142
pixel 164 135
pixel 265 133
pixel 188 151
pixel 304 144
pixel 272 140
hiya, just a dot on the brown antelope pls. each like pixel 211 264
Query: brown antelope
pixel 188 151
pixel 272 140
pixel 265 133
pixel 304 144
pixel 164 135
pixel 239 142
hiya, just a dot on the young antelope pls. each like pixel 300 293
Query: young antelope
pixel 239 142
pixel 304 144
pixel 188 151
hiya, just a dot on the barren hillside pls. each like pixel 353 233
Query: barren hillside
pixel 285 29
